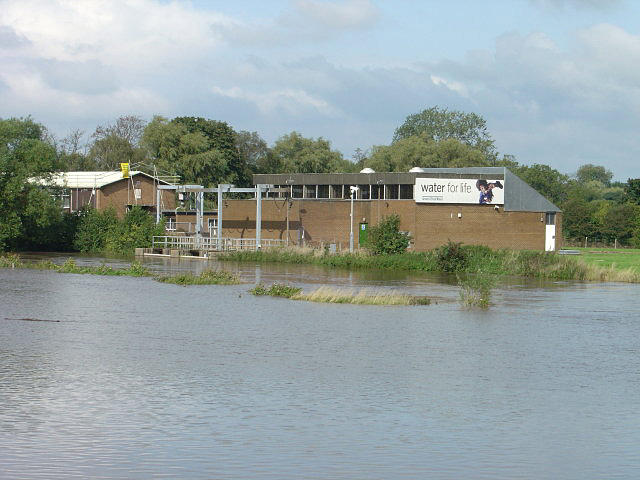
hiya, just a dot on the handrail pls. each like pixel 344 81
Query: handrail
pixel 212 243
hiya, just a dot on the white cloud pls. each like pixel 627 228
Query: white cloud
pixel 293 101
pixel 338 15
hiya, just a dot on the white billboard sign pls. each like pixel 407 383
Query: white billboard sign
pixel 459 190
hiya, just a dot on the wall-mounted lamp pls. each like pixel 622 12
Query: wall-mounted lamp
pixel 497 208
pixel 459 215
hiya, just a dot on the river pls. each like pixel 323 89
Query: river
pixel 128 378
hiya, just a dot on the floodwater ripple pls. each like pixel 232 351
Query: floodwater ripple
pixel 139 379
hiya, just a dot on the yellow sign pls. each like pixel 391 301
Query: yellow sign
pixel 125 170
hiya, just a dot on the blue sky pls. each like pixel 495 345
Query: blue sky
pixel 558 81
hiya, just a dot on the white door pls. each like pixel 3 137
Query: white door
pixel 550 232
pixel 550 238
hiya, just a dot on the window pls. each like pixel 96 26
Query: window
pixel 310 191
pixel 550 218
pixel 377 192
pixel 213 226
pixel 364 192
pixel 336 191
pixel 297 191
pixel 406 192
pixel 171 224
pixel 392 192
pixel 323 191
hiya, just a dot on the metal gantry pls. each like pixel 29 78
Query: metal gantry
pixel 220 190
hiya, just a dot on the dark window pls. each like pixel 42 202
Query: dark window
pixel 323 191
pixel 406 192
pixel 392 192
pixel 310 191
pixel 336 191
pixel 377 192
pixel 550 218
pixel 297 191
pixel 364 193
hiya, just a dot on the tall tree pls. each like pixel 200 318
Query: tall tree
pixel 294 153
pixel 253 150
pixel 200 151
pixel 423 151
pixel 440 124
pixel 589 172
pixel 26 162
pixel 118 143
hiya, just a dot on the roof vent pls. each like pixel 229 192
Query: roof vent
pixel 418 170
pixel 367 170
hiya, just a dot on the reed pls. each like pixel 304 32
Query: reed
pixel 208 277
pixel 360 297
pixel 475 289
pixel 276 290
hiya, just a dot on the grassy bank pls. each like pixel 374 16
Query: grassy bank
pixel 136 269
pixel 620 259
pixel 336 295
pixel 473 259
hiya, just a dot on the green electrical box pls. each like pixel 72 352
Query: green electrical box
pixel 363 235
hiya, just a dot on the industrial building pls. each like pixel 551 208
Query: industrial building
pixel 476 206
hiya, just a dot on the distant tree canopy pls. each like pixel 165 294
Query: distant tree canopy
pixel 201 151
pixel 441 124
pixel 589 172
pixel 293 153
pixel 117 143
pixel 422 151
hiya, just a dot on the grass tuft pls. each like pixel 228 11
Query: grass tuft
pixel 208 277
pixel 475 289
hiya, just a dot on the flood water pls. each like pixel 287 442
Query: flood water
pixel 128 378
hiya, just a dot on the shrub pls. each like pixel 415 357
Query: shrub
pixel 276 290
pixel 136 229
pixel 93 229
pixel 475 289
pixel 451 257
pixel 386 237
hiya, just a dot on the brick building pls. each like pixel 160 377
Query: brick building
pixel 102 190
pixel 476 206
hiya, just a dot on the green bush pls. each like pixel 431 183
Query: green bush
pixel 136 229
pixel 276 290
pixel 451 257
pixel 93 228
pixel 386 237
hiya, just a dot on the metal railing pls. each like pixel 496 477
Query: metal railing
pixel 213 243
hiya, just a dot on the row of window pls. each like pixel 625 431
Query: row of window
pixel 364 192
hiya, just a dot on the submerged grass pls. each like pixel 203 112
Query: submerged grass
pixel 477 259
pixel 336 295
pixel 208 277
pixel 475 289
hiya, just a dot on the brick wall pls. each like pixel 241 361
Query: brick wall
pixel 327 221
pixel 121 193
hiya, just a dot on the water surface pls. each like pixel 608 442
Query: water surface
pixel 133 379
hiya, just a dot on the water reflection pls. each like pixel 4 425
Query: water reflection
pixel 141 379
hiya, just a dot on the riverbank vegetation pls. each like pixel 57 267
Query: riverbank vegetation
pixel 208 277
pixel 135 269
pixel 453 258
pixel 327 294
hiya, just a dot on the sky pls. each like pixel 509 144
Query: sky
pixel 558 81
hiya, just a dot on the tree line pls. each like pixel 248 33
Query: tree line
pixel 207 152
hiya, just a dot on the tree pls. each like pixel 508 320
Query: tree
pixel 423 151
pixel 546 180
pixel 386 237
pixel 294 153
pixel 221 138
pixel 183 147
pixel 440 124
pixel 118 143
pixel 632 190
pixel 253 150
pixel 590 172
pixel 73 153
pixel 26 162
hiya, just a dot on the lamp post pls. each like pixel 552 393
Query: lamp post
pixel 353 192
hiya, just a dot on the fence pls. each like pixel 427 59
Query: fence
pixel 183 242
